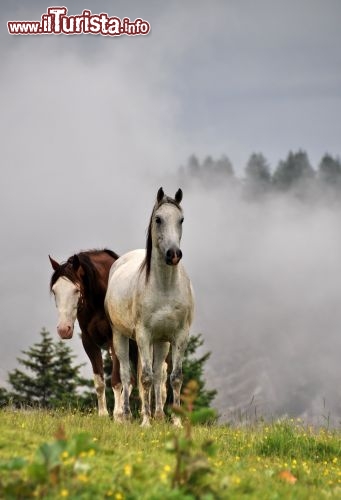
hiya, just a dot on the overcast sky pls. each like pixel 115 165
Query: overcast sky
pixel 91 126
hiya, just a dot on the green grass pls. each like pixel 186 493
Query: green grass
pixel 266 461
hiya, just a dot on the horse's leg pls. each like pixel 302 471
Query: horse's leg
pixel 95 355
pixel 164 383
pixel 121 346
pixel 133 360
pixel 178 351
pixel 146 378
pixel 116 384
pixel 166 371
pixel 160 376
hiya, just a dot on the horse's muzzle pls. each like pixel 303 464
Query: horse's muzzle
pixel 173 256
pixel 65 332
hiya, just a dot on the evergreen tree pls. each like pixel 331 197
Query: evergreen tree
pixel 257 169
pixel 193 166
pixel 38 387
pixel 257 175
pixel 291 172
pixel 208 164
pixel 329 171
pixel 193 369
pixel 215 172
pixel 4 397
pixel 66 376
pixel 223 167
pixel 49 379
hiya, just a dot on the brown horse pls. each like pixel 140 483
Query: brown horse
pixel 79 286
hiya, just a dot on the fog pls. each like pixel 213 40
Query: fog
pixel 92 127
pixel 267 275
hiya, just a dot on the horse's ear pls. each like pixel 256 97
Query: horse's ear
pixel 178 196
pixel 54 263
pixel 160 195
pixel 75 262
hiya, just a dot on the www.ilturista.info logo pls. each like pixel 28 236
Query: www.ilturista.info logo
pixel 57 22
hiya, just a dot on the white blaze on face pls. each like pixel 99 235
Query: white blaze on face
pixel 66 296
pixel 167 229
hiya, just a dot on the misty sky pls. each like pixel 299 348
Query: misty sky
pixel 92 126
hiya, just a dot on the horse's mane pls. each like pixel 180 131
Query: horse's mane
pixel 91 284
pixel 149 245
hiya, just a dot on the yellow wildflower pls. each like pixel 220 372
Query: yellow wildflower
pixel 82 478
pixel 163 477
pixel 218 463
pixel 128 470
pixel 64 493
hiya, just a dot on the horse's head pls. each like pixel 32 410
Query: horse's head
pixel 66 287
pixel 166 226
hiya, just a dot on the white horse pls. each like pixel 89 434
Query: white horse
pixel 150 299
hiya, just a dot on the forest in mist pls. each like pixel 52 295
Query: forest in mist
pixel 264 249
pixel 294 175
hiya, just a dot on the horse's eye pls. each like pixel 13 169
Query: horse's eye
pixel 158 220
pixel 181 220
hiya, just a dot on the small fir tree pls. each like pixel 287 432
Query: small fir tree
pixel 67 378
pixel 49 379
pixel 4 397
pixel 193 369
pixel 37 387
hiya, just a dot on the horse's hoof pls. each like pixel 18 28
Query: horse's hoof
pixel 176 421
pixel 127 416
pixel 123 420
pixel 145 422
pixel 103 413
pixel 118 418
pixel 159 416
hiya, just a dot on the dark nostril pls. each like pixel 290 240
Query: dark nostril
pixel 173 254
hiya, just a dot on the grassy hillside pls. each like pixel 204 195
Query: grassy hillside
pixel 69 455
